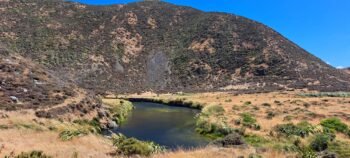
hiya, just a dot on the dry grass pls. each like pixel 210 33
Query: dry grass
pixel 212 152
pixel 22 140
pixel 283 105
pixel 27 132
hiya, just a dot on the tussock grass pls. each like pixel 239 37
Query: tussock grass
pixel 212 123
pixel 248 120
pixel 302 129
pixel 78 128
pixel 341 148
pixel 132 146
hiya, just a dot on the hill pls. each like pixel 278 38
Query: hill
pixel 160 47
pixel 26 85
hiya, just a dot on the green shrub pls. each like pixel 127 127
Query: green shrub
pixel 335 124
pixel 69 134
pixel 302 129
pixel 320 142
pixel 248 119
pixel 31 154
pixel 132 146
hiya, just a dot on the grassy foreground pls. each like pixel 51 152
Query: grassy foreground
pixel 271 124
pixel 304 124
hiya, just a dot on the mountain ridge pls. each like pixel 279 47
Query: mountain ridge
pixel 157 46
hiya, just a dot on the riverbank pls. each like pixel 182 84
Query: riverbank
pixel 292 122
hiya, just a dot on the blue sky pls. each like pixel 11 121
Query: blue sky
pixel 322 27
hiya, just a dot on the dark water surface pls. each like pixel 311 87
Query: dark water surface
pixel 169 126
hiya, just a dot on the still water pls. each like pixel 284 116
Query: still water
pixel 168 126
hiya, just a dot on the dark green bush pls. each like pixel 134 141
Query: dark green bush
pixel 320 142
pixel 335 124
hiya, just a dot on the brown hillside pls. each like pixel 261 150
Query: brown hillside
pixel 161 47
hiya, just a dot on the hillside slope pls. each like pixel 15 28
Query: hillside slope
pixel 25 85
pixel 161 47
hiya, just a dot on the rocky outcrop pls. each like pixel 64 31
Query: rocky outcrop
pixel 230 140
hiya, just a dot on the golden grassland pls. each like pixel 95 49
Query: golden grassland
pixel 284 105
pixel 23 131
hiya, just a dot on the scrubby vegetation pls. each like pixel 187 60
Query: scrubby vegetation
pixel 320 142
pixel 212 123
pixel 248 120
pixel 302 129
pixel 341 148
pixel 131 146
pixel 119 108
pixel 79 128
pixel 31 154
pixel 336 124
pixel 326 94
